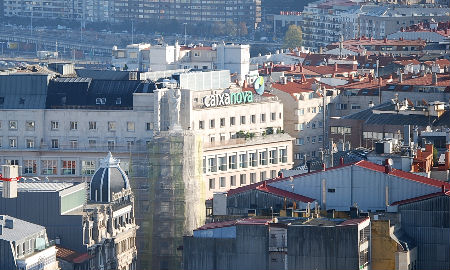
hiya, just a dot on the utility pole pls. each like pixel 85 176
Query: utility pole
pixel 185 37
pixel 132 32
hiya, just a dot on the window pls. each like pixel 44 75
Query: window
pixel 222 163
pixel 308 124
pixel 1 142
pixel 273 156
pixel 253 160
pixel 242 179
pixel 222 182
pixel 30 143
pixel 148 126
pixel 12 142
pixel 222 122
pixel 92 143
pixel 112 126
pixel 130 144
pixel 263 118
pixel 54 125
pixel 201 124
pixel 262 176
pixel 300 111
pixel 118 101
pixel 252 178
pixel 212 183
pixel 313 139
pixel 211 164
pixel 111 145
pixel 262 157
pixel 73 125
pixel 222 137
pixel 232 162
pixel 282 158
pixel 0 124
pixel 320 138
pixel 242 161
pixel 273 116
pixel 212 123
pixel 232 121
pixel 68 167
pixel 55 144
pixel 100 101
pixel 341 130
pixel 92 125
pixel 233 180
pixel 299 141
pixel 29 125
pixel 13 125
pixel 331 190
pixel 355 107
pixel 73 144
pixel 320 124
pixel 87 167
pixel 341 106
pixel 29 167
pixel 49 167
pixel 243 120
pixel 253 119
pixel 300 126
pixel 130 126
pixel 273 173
pixel 12 162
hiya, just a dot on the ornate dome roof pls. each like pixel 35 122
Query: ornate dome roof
pixel 108 179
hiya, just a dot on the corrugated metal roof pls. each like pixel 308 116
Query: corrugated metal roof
pixel 25 91
pixel 40 187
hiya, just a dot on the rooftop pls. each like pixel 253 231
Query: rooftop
pixel 21 229
pixel 40 186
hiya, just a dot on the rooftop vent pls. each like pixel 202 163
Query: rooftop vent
pixel 9 223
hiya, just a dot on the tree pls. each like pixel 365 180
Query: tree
pixel 293 37
pixel 243 31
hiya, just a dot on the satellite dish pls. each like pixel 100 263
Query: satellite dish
pixel 258 84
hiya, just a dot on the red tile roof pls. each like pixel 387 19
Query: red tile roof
pixel 246 221
pixel 441 62
pixel 403 174
pixel 442 80
pixel 420 198
pixel 330 69
pixel 407 62
pixel 380 42
pixel 296 86
pixel 364 83
pixel 69 255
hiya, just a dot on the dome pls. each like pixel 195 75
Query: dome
pixel 108 179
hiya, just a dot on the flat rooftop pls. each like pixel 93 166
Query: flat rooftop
pixel 20 229
pixel 40 186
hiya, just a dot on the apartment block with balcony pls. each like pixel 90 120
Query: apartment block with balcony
pixel 24 245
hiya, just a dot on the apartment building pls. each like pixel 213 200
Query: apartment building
pixel 237 11
pixel 383 21
pixel 160 57
pixel 304 119
pixel 324 22
pixel 24 245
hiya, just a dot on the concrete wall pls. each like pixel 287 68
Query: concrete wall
pixel 316 247
pixel 383 246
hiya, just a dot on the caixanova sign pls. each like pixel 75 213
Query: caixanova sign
pixel 228 99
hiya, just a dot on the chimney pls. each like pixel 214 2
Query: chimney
pixel 10 175
pixel 380 81
pixel 9 223
pixel 264 184
pixel 434 79
pixel 335 67
pixel 291 79
pixel 280 174
pixel 324 167
pixel 385 40
pixel 308 164
pixel 283 80
pixel 400 77
pixel 341 161
pixel 303 78
pixel 301 68
pixel 245 84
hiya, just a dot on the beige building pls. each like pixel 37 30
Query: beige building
pixel 303 115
